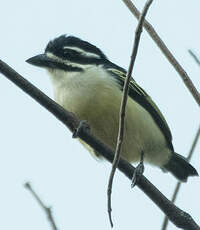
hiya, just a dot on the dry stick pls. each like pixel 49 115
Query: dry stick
pixel 166 52
pixel 123 106
pixel 46 209
pixel 178 185
pixel 176 215
pixel 194 56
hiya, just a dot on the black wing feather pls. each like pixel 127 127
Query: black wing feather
pixel 142 98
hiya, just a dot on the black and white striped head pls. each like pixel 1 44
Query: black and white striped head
pixel 69 53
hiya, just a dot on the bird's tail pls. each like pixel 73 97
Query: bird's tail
pixel 180 168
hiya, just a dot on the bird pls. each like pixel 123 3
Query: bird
pixel 88 84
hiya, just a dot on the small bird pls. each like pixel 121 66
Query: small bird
pixel 88 84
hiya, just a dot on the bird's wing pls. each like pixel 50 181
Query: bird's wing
pixel 142 98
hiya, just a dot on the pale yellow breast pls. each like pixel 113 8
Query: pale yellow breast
pixel 98 101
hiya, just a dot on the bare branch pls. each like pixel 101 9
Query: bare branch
pixel 123 106
pixel 194 144
pixel 194 56
pixel 153 34
pixel 46 209
pixel 177 216
pixel 178 185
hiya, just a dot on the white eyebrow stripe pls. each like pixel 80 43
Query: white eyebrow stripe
pixel 83 52
pixel 73 64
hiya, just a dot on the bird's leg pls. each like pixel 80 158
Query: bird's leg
pixel 83 125
pixel 138 171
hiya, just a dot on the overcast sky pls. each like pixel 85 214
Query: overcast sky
pixel 36 147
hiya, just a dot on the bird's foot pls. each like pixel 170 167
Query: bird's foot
pixel 139 170
pixel 83 125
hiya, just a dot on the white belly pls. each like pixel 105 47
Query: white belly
pixel 99 104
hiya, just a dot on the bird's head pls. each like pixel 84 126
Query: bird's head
pixel 68 53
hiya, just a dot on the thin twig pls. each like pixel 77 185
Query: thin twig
pixel 46 209
pixel 153 34
pixel 176 215
pixel 123 106
pixel 194 56
pixel 178 185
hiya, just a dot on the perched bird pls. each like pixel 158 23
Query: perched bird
pixel 88 84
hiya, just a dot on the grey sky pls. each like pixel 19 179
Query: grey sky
pixel 37 147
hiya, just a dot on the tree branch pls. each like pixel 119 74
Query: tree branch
pixel 194 56
pixel 153 34
pixel 123 106
pixel 177 216
pixel 178 185
pixel 46 209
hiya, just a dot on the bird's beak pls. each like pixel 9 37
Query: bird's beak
pixel 42 60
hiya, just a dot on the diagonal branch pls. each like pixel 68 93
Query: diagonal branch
pixel 153 34
pixel 178 185
pixel 123 106
pixel 46 209
pixel 177 216
pixel 194 56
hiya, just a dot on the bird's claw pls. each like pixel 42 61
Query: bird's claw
pixel 139 170
pixel 83 125
pixel 137 174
